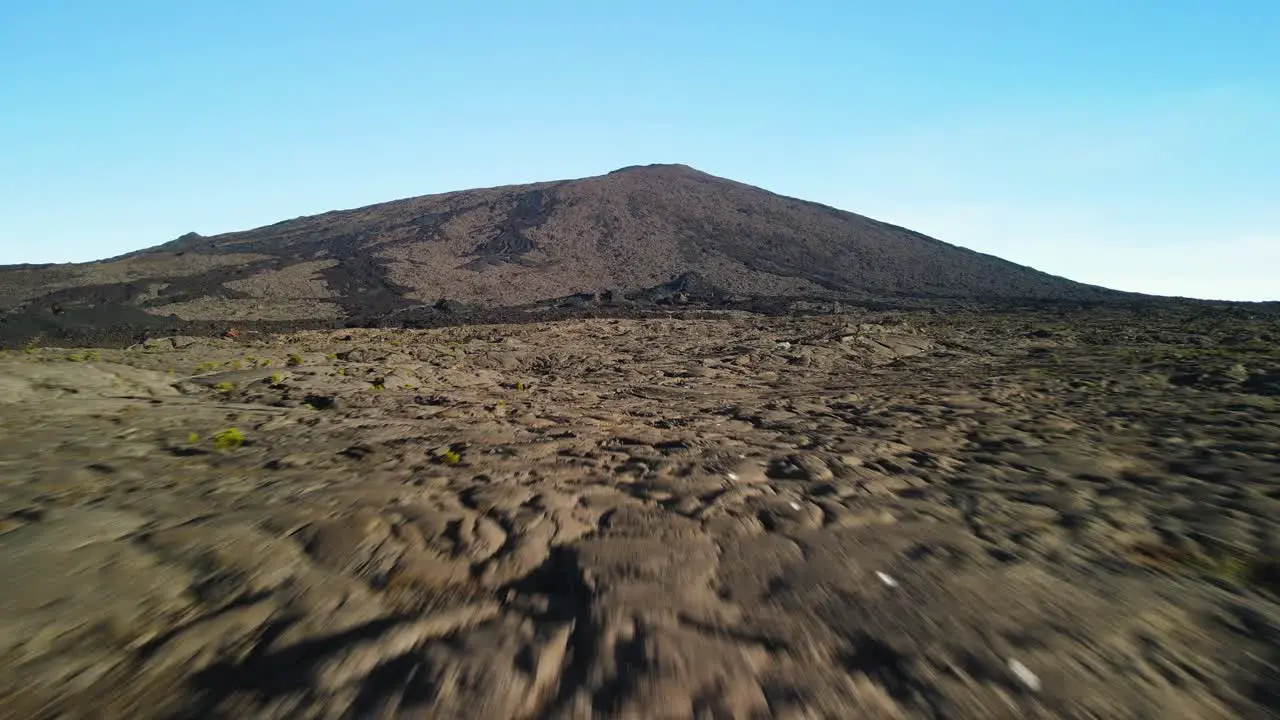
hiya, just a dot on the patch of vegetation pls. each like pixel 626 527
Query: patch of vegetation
pixel 449 457
pixel 379 383
pixel 1248 569
pixel 86 356
pixel 205 367
pixel 227 439
pixel 331 356
pixel 193 438
pixel 275 378
pixel 1231 568
pixel 294 360
pixel 1234 566
pixel 225 386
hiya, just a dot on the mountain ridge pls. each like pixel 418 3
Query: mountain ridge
pixel 508 246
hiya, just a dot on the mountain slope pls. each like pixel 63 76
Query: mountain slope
pixel 630 229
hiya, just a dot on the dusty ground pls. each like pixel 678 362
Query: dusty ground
pixel 853 516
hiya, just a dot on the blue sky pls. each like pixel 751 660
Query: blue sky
pixel 1129 143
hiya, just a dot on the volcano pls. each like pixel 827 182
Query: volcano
pixel 645 232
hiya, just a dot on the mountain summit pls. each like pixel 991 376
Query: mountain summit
pixel 631 229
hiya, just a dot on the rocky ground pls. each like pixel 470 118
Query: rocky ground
pixel 881 515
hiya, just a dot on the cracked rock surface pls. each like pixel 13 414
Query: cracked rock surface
pixel 882 515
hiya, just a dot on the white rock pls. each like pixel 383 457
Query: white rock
pixel 1023 673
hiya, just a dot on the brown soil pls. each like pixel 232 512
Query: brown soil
pixel 887 515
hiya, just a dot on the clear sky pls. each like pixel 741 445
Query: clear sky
pixel 1129 143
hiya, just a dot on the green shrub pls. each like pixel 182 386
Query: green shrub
pixel 294 360
pixel 225 386
pixel 227 439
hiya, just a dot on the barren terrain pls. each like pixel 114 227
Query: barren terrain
pixel 882 515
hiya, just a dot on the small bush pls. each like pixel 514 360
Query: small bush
pixel 193 438
pixel 294 360
pixel 205 367
pixel 275 378
pixel 225 386
pixel 227 439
